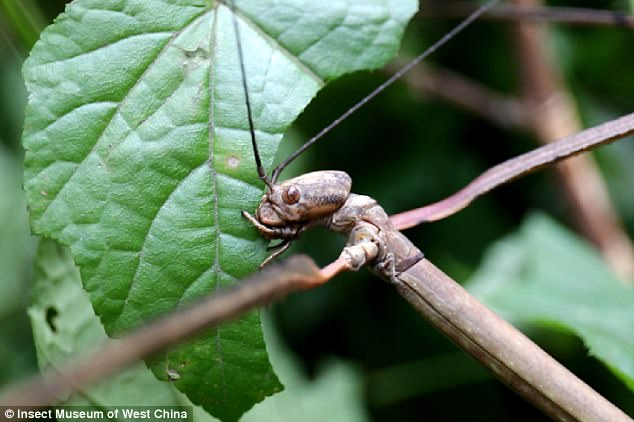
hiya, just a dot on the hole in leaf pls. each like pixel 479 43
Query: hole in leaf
pixel 51 315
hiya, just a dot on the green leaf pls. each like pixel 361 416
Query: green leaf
pixel 138 154
pixel 65 326
pixel 545 275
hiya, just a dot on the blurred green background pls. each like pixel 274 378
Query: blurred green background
pixel 405 149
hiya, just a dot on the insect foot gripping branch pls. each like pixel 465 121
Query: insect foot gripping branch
pixel 372 239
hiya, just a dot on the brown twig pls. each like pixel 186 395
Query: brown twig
pixel 274 282
pixel 514 358
pixel 546 110
pixel 553 115
pixel 332 269
pixel 516 167
pixel 565 15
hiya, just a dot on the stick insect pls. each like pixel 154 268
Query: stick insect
pixel 372 239
pixel 324 199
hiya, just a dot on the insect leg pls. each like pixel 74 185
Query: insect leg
pixel 280 249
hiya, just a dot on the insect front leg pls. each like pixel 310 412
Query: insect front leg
pixel 279 250
pixel 363 246
pixel 367 246
pixel 387 266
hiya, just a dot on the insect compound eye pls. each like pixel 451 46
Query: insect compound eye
pixel 291 194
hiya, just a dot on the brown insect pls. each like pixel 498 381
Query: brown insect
pixel 323 198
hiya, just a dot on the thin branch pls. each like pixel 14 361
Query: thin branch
pixel 274 282
pixel 552 113
pixel 332 269
pixel 548 111
pixel 506 12
pixel 514 358
pixel 517 167
pixel 279 280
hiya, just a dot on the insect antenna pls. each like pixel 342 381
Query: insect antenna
pixel 256 153
pixel 448 36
